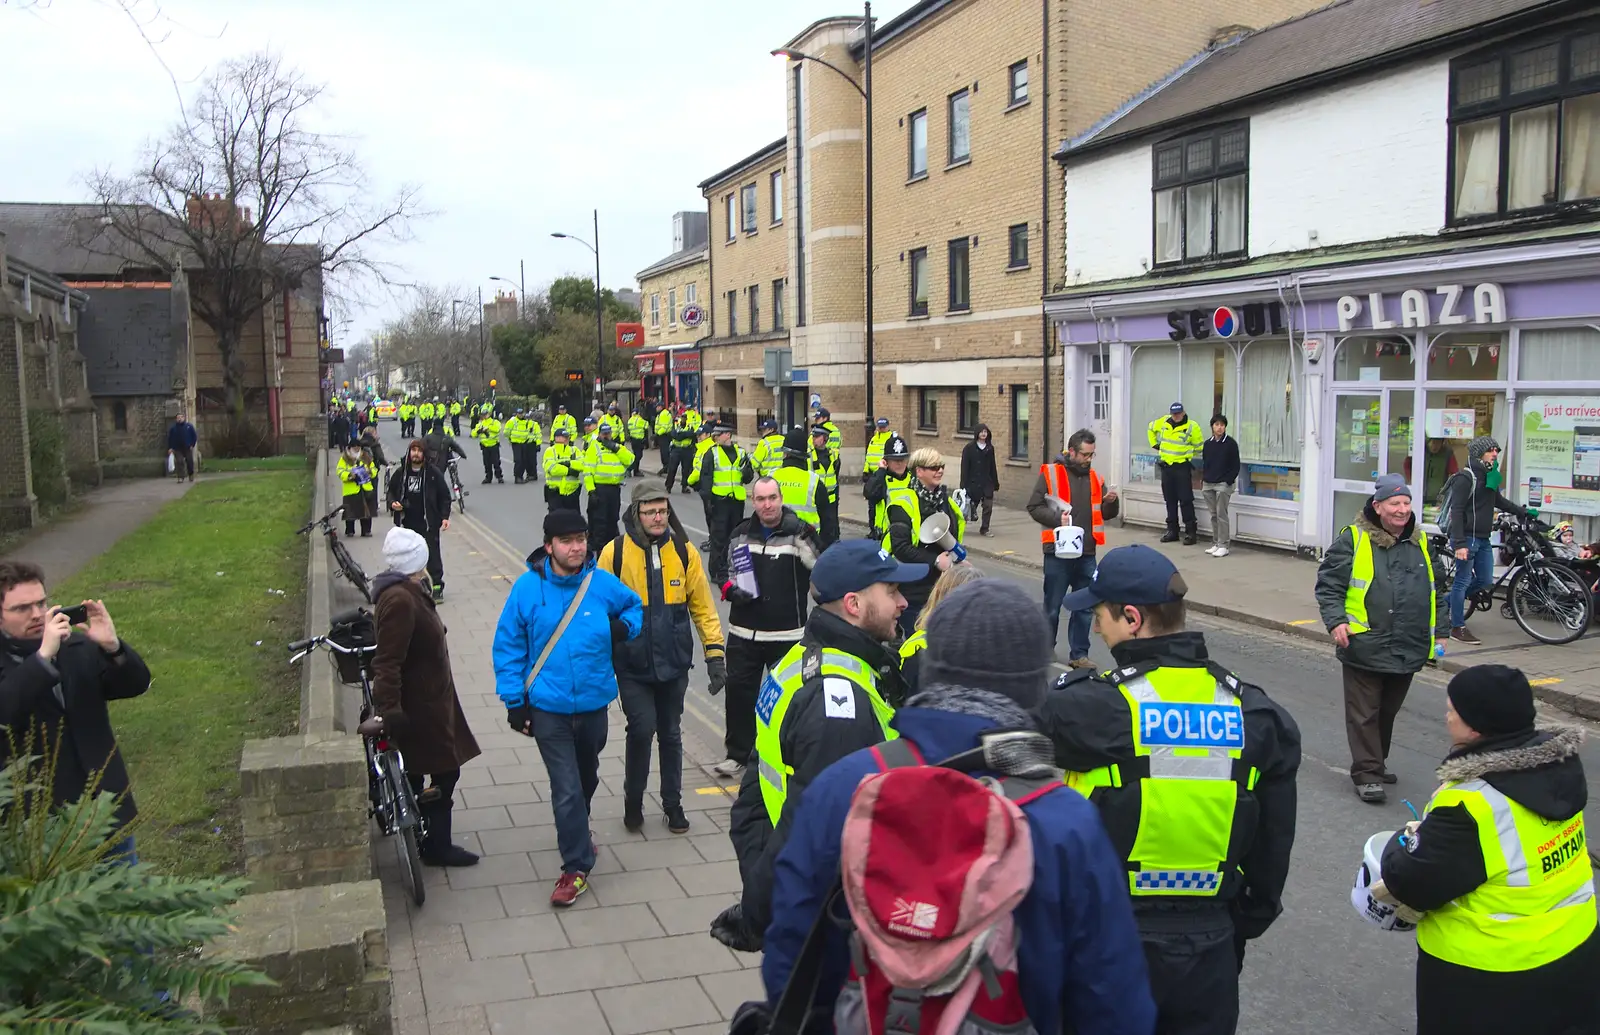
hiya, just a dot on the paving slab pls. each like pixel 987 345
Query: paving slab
pixel 580 969
pixel 575 1013
pixel 684 956
pixel 475 982
pixel 513 936
pixel 623 889
pixel 611 924
pixel 638 1009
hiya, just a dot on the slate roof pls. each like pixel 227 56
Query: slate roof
pixel 128 337
pixel 1343 39
pixel 69 240
pixel 673 261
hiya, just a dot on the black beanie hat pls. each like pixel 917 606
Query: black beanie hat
pixel 988 635
pixel 563 521
pixel 1493 699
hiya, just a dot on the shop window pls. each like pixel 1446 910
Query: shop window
pixel 1559 445
pixel 1563 354
pixel 1019 422
pixel 1525 127
pixel 1266 422
pixel 967 411
pixel 927 409
pixel 1375 358
pixel 1202 377
pixel 1200 195
pixel 1466 357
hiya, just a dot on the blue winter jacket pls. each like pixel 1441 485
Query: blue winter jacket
pixel 1080 962
pixel 578 676
pixel 182 436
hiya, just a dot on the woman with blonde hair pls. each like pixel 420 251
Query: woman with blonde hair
pixel 917 642
pixel 909 507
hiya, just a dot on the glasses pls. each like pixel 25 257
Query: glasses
pixel 931 467
pixel 35 607
pixel 655 512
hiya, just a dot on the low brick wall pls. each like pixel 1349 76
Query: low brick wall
pixel 304 807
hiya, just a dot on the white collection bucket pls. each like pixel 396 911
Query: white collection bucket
pixel 1383 915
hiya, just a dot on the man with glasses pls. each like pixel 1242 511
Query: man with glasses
pixel 57 671
pixel 1070 481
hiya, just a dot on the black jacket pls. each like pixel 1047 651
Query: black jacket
pixel 708 468
pixel 435 495
pixel 1540 770
pixel 1400 639
pixel 906 544
pixel 65 702
pixel 1474 504
pixel 980 475
pixel 783 563
pixel 1219 460
pixel 438 446
pixel 1087 718
pixel 812 741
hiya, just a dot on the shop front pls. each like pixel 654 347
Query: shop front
pixel 1334 375
pixel 677 367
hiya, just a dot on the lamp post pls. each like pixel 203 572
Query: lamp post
pixel 599 307
pixel 864 88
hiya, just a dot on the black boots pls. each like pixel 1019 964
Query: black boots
pixel 436 849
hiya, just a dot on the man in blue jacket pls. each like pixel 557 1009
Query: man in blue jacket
pixel 552 668
pixel 181 440
pixel 986 668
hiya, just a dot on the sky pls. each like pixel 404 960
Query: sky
pixel 516 119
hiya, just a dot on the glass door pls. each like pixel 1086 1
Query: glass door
pixel 1359 448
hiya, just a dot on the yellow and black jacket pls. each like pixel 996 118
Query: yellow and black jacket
pixel 671 580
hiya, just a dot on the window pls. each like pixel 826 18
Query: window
pixel 967 411
pixel 1201 183
pixel 918 139
pixel 919 282
pixel 960 275
pixel 1018 255
pixel 1019 84
pixel 733 217
pixel 1525 127
pixel 733 313
pixel 1019 422
pixel 777 304
pixel 690 294
pixel 655 310
pixel 777 197
pixel 672 306
pixel 960 127
pixel 119 416
pixel 927 409
pixel 1565 354
pixel 754 297
pixel 747 201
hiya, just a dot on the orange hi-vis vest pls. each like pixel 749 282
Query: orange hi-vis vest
pixel 1055 483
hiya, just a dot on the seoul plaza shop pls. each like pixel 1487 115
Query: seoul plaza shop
pixel 1330 377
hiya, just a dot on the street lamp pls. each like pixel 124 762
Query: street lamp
pixel 864 88
pixel 599 320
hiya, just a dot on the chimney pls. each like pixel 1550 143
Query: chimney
pixel 213 210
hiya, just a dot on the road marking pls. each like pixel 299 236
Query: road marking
pixel 724 791
pixel 1546 681
pixel 1305 621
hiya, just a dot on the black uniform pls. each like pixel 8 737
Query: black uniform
pixel 723 513
pixel 1194 946
pixel 681 459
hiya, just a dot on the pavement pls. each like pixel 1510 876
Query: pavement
pixel 487 954
pixel 106 514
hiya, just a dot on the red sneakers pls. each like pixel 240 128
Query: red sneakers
pixel 568 888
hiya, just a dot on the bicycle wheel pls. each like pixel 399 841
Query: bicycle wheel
pixel 351 570
pixel 408 824
pixel 411 865
pixel 1551 603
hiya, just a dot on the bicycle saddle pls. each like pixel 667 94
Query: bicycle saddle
pixel 351 617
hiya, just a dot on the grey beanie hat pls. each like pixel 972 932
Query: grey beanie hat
pixel 1388 486
pixel 1479 446
pixel 989 635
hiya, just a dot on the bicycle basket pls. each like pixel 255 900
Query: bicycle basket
pixel 353 631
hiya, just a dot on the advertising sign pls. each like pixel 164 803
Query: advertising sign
pixel 692 315
pixel 630 335
pixel 1561 450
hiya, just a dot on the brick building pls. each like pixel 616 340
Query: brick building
pixel 674 306
pixel 501 309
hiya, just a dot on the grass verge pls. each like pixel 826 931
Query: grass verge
pixel 292 462
pixel 191 592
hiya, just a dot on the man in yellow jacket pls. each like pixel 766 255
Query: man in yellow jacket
pixel 655 559
pixel 1176 438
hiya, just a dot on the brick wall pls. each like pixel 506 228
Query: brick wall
pixel 19 508
pixel 665 331
pixel 752 259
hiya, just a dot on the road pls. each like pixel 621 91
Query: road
pixel 1319 970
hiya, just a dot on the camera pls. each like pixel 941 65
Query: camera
pixel 78 615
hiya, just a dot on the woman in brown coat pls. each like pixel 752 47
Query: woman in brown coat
pixel 415 693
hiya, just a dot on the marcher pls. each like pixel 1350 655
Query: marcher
pixel 606 464
pixel 980 475
pixel 414 693
pixel 1205 837
pixel 655 559
pixel 764 626
pixel 1176 439
pixel 562 705
pixel 1081 968
pixel 801 487
pixel 1471 522
pixel 1219 469
pixel 1381 602
pixel 912 647
pixel 1500 870
pixel 419 499
pixel 895 473
pixel 181 441
pixel 825 462
pixel 768 453
pixel 1072 479
pixel 726 470
pixel 663 431
pixel 487 432
pixel 832 694
pixel 908 509
pixel 638 435
pixel 440 447
pixel 55 680
pixel 563 472
pixel 358 484
pixel 370 441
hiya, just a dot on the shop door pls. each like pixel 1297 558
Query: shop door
pixel 1373 434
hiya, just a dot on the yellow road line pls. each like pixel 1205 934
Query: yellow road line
pixel 724 791
pixel 1546 681
pixel 1305 621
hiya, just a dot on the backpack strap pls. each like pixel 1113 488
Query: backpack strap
pixel 616 557
pixel 897 754
pixel 1021 790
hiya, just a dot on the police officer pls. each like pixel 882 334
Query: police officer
pixel 822 418
pixel 768 453
pixel 875 445
pixel 1500 871
pixel 680 462
pixel 638 432
pixel 613 416
pixel 563 419
pixel 796 480
pixel 1176 438
pixel 605 462
pixel 563 472
pixel 535 442
pixel 664 440
pixel 1207 833
pixel 833 693
pixel 455 416
pixel 426 413
pixel 724 472
pixel 825 462
pixel 517 433
pixel 487 432
pixel 408 415
pixel 893 472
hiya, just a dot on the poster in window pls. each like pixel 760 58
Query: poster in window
pixel 1560 445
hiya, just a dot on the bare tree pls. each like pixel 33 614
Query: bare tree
pixel 249 201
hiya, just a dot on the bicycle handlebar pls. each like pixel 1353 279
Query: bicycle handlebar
pixel 323 521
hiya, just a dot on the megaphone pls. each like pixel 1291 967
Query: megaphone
pixel 935 531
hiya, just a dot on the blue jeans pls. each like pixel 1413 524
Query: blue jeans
pixel 570 746
pixel 1062 576
pixel 1472 574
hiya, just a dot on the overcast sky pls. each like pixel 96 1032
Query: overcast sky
pixel 516 118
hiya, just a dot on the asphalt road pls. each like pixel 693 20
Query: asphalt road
pixel 1319 970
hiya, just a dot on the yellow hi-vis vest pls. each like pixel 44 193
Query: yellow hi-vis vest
pixel 905 497
pixel 875 450
pixel 1355 596
pixel 638 427
pixel 728 475
pixel 517 430
pixel 487 432
pixel 1188 739
pixel 535 433
pixel 606 467
pixel 562 468
pixel 693 477
pixel 1175 444
pixel 564 420
pixel 880 509
pixel 1538 903
pixel 799 488
pixel 427 411
pixel 768 455
pixel 829 474
pixel 664 422
pixel 778 687
pixel 917 641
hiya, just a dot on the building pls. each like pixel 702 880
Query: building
pixel 1361 236
pixel 673 307
pixel 501 309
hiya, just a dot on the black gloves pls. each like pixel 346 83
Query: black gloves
pixel 716 674
pixel 520 719
pixel 733 594
pixel 619 630
pixel 730 929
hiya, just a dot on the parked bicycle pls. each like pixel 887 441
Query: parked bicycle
pixel 352 641
pixel 1545 597
pixel 458 492
pixel 346 564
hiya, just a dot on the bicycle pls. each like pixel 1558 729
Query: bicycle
pixel 390 800
pixel 1550 601
pixel 346 564
pixel 458 493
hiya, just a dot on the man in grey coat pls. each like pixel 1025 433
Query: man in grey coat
pixel 1382 603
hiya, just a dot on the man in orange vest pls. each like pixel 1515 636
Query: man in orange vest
pixel 1071 479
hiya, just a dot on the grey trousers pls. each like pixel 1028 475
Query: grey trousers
pixel 1217 495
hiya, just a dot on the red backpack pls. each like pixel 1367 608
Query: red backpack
pixel 933 861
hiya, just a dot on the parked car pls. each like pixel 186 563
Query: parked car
pixel 385 410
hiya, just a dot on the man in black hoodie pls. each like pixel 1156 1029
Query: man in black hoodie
pixel 1499 869
pixel 419 499
pixel 1472 507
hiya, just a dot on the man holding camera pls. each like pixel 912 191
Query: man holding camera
pixel 58 668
